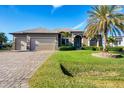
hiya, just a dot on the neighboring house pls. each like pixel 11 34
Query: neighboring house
pixel 43 39
pixel 119 41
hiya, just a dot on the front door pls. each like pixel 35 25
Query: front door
pixel 77 42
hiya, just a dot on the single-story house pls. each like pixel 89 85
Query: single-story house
pixel 44 39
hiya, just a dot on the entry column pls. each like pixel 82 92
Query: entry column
pixel 13 44
pixel 88 41
pixel 28 42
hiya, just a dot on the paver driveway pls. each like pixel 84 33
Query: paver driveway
pixel 17 67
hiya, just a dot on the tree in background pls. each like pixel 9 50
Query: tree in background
pixel 3 38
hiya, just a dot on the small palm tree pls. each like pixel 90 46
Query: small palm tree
pixel 111 40
pixel 105 19
pixel 66 36
pixel 3 38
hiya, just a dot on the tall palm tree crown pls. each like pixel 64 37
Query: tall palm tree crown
pixel 103 20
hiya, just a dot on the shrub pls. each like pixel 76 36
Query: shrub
pixel 5 46
pixel 94 48
pixel 1 46
pixel 90 48
pixel 115 48
pixel 99 48
pixel 65 48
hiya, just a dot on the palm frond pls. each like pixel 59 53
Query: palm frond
pixel 102 18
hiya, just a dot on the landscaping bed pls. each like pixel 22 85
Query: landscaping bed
pixel 107 55
pixel 86 70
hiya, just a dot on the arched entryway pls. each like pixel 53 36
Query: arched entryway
pixel 77 42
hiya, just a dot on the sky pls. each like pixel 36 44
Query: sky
pixel 23 17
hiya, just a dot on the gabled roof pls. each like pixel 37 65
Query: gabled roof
pixel 37 30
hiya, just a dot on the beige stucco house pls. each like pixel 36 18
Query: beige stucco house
pixel 43 39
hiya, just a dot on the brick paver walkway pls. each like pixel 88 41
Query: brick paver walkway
pixel 17 67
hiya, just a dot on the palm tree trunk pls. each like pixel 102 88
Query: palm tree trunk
pixel 105 43
pixel 105 38
pixel 97 42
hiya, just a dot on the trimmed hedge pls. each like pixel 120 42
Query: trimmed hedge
pixel 94 48
pixel 90 48
pixel 115 48
pixel 6 47
pixel 66 48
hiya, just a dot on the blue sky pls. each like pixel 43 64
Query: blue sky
pixel 18 18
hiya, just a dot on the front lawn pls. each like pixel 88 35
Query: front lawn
pixel 87 71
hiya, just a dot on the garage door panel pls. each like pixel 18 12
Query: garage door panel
pixel 46 47
pixel 43 43
pixel 46 40
pixel 21 44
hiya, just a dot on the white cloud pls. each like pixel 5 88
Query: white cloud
pixel 55 7
pixel 79 25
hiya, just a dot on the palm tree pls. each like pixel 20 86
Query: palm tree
pixel 105 19
pixel 3 38
pixel 66 36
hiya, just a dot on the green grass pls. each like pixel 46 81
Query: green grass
pixel 88 71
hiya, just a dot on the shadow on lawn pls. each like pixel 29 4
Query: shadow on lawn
pixel 119 52
pixel 65 71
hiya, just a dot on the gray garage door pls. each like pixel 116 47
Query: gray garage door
pixel 20 44
pixel 43 43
